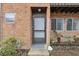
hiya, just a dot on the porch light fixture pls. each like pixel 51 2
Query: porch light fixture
pixel 39 10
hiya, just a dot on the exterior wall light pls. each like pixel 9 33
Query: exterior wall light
pixel 39 10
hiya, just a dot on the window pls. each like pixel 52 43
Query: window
pixel 10 17
pixel 69 24
pixel 57 24
pixel 53 24
pixel 73 24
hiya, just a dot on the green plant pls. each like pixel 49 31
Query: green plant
pixel 8 46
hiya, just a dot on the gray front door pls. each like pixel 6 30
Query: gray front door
pixel 39 31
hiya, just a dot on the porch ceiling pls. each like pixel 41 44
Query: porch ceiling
pixel 64 4
pixel 65 9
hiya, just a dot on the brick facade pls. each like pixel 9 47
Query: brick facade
pixel 22 28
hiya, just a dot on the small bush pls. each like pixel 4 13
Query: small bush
pixel 8 46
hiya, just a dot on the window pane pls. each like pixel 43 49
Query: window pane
pixel 39 23
pixel 10 17
pixel 53 24
pixel 75 24
pixel 59 24
pixel 69 24
pixel 39 34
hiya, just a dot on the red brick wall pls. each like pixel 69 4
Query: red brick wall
pixel 22 28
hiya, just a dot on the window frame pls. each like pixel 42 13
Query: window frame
pixel 56 24
pixel 72 25
pixel 66 25
pixel 6 19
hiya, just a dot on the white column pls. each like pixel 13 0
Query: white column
pixel 48 25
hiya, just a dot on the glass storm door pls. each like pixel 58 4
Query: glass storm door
pixel 38 29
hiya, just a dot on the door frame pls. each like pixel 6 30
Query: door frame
pixel 37 15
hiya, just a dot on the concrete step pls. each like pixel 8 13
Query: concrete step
pixel 38 52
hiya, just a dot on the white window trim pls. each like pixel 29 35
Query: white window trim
pixel 56 24
pixel 72 25
pixel 9 22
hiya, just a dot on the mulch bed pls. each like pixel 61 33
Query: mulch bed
pixel 65 49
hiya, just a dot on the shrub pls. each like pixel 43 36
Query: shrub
pixel 8 46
